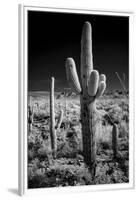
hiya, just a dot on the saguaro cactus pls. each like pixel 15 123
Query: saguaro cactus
pixel 30 117
pixel 53 125
pixel 52 119
pixel 92 87
pixel 115 133
pixel 114 140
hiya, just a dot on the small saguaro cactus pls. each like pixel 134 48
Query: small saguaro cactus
pixel 115 133
pixel 53 125
pixel 90 88
pixel 30 117
pixel 52 119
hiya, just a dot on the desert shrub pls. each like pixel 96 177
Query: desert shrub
pixel 79 174
pixel 124 104
pixel 110 173
pixel 70 142
pixel 123 145
pixel 104 135
pixel 123 129
pixel 38 146
pixel 44 153
pixel 39 115
pixel 116 114
pixel 60 173
pixel 65 150
pixel 116 95
pixel 35 179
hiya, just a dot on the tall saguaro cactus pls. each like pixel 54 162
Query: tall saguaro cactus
pixel 52 119
pixel 89 88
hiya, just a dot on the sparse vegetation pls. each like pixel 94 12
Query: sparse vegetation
pixel 68 169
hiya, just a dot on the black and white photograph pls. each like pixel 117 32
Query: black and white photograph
pixel 69 99
pixel 77 99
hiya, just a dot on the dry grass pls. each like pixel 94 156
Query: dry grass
pixel 69 168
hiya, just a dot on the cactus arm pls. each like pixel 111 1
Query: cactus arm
pixel 93 83
pixel 102 77
pixel 52 119
pixel 60 119
pixel 101 89
pixel 86 55
pixel 72 75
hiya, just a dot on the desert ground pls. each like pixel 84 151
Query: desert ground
pixel 68 169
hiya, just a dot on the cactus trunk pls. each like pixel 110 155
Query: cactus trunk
pixel 52 119
pixel 88 117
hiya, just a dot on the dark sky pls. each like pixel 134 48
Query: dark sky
pixel 52 37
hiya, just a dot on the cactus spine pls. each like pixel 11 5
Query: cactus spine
pixel 52 119
pixel 91 88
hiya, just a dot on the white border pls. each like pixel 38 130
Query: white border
pixel 23 104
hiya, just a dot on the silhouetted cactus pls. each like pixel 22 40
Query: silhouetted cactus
pixel 91 87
